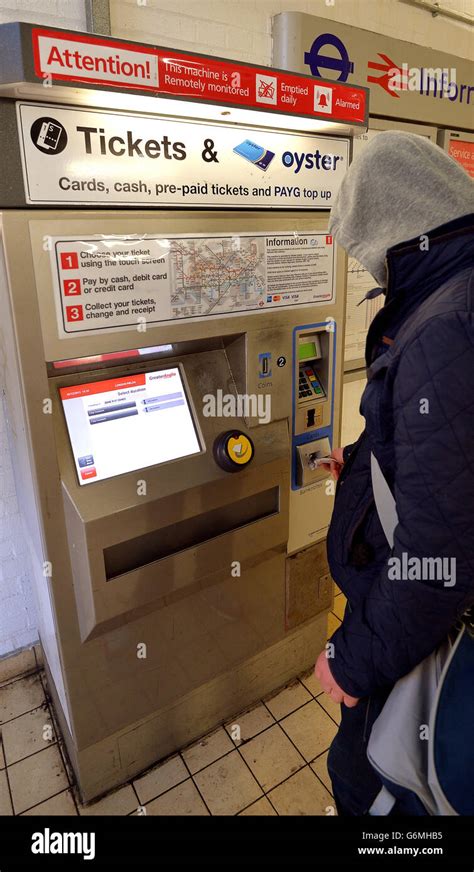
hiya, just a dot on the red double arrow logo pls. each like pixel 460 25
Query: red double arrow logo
pixel 391 71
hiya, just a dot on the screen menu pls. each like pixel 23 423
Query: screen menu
pixel 127 423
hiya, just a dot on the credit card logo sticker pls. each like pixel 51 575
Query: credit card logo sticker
pixel 256 154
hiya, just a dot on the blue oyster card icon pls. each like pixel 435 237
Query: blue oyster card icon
pixel 256 154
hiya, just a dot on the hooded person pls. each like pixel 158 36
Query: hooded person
pixel 405 210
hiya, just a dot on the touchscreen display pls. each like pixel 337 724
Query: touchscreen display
pixel 128 423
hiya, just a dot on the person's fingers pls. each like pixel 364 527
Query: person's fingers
pixel 323 680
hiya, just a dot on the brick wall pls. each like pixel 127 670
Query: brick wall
pixel 241 29
pixel 62 13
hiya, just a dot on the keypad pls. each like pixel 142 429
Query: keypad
pixel 309 384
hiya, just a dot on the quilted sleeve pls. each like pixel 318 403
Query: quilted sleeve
pixel 429 578
pixel 347 450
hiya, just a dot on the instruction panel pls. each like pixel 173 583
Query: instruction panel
pixel 104 283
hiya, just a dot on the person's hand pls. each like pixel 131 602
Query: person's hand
pixel 329 684
pixel 337 462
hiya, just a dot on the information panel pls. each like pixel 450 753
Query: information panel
pixel 122 424
pixel 105 283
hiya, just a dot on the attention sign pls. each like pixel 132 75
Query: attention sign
pixel 107 62
pixel 88 59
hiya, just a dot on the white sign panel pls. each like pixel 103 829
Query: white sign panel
pixel 93 157
pixel 105 283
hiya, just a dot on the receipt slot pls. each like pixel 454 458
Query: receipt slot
pixel 170 376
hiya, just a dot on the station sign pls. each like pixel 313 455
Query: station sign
pixel 408 82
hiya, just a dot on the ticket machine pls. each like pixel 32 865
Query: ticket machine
pixel 171 343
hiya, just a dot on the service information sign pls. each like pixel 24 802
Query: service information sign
pixel 85 156
pixel 463 152
pixel 105 283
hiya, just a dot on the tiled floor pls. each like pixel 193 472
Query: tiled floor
pixel 270 760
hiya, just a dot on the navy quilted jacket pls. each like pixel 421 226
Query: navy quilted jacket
pixel 419 411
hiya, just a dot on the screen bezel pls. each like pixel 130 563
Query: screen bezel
pixel 132 371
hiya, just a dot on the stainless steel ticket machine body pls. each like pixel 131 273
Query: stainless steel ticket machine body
pixel 173 596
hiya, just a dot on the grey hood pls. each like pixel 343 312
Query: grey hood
pixel 399 187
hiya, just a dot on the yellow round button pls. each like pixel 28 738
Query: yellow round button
pixel 240 449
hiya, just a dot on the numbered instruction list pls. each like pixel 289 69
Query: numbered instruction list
pixel 123 282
